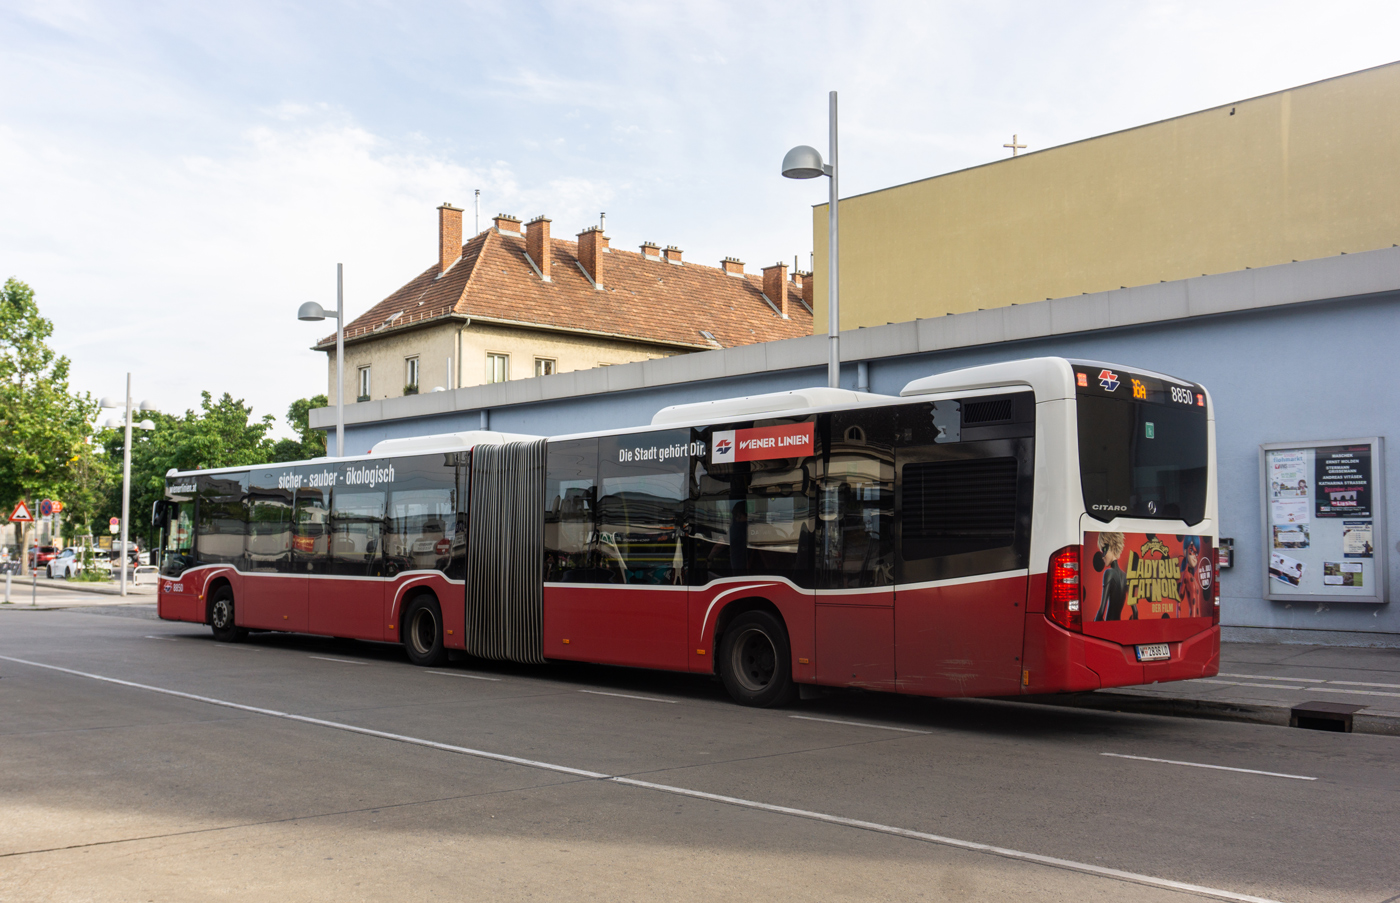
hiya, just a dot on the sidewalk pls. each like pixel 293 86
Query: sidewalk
pixel 1262 683
pixel 67 594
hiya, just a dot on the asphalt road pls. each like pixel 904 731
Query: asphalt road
pixel 361 777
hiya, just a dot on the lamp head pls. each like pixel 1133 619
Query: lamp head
pixel 803 162
pixel 146 425
pixel 311 312
pixel 109 402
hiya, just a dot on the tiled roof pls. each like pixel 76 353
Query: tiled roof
pixel 643 299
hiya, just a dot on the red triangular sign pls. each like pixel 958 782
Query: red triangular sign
pixel 21 514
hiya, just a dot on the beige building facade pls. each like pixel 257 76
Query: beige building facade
pixel 1301 174
pixel 462 352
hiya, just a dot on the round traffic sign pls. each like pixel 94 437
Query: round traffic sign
pixel 114 524
pixel 46 508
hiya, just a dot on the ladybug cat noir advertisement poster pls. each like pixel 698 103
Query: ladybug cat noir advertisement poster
pixel 1146 576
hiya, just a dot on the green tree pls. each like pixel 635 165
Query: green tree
pixel 43 426
pixel 309 443
pixel 220 434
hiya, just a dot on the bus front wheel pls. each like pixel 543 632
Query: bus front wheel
pixel 422 635
pixel 221 617
pixel 756 661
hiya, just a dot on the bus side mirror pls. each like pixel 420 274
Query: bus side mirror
pixel 160 514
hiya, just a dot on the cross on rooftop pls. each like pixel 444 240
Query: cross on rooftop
pixel 1014 146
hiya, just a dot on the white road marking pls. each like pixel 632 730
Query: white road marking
pixel 1362 683
pixel 1355 692
pixel 1272 774
pixel 343 661
pixel 969 845
pixel 1291 680
pixel 460 674
pixel 1236 683
pixel 883 727
pixel 168 639
pixel 628 696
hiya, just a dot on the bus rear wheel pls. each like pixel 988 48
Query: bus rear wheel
pixel 756 661
pixel 422 632
pixel 221 617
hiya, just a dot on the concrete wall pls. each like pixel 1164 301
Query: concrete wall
pixel 1301 174
pixel 466 345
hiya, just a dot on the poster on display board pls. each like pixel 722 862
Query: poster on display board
pixel 1323 512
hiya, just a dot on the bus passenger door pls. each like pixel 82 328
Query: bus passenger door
pixel 854 615
pixel 270 585
pixel 963 507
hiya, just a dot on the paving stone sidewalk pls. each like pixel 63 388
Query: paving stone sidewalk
pixel 1262 683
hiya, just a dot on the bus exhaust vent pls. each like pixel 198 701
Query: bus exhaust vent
pixel 994 410
pixel 956 507
pixel 505 545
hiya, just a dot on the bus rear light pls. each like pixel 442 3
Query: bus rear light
pixel 1215 592
pixel 1063 590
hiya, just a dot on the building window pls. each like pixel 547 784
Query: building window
pixel 410 376
pixel 364 384
pixel 497 368
pixel 544 366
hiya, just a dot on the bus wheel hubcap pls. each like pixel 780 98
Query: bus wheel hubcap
pixel 424 631
pixel 221 613
pixel 755 660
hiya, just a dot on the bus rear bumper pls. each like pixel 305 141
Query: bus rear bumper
pixel 1058 661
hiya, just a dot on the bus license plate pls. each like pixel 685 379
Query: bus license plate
pixel 1154 652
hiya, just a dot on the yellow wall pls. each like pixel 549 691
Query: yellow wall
pixel 1305 173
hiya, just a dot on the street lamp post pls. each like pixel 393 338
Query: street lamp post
pixel 312 312
pixel 126 468
pixel 805 162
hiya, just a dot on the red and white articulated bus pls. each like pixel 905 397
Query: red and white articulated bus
pixel 1037 526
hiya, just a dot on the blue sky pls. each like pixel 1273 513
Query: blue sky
pixel 176 178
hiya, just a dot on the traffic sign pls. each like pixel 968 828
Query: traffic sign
pixel 57 507
pixel 21 514
pixel 114 524
pixel 46 508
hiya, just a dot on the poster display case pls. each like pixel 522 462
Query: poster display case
pixel 1324 520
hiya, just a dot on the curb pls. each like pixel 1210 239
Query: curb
pixel 1219 710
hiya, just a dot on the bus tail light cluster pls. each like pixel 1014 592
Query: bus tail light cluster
pixel 1063 589
pixel 1215 592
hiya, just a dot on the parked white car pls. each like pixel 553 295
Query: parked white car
pixel 70 561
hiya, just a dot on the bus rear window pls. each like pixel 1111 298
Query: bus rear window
pixel 1139 459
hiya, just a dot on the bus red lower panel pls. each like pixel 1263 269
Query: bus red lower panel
pixel 182 606
pixel 347 608
pixel 643 626
pixel 855 645
pixel 960 638
pixel 273 602
pixel 1059 661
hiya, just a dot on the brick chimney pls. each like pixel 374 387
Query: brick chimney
pixel 507 223
pixel 809 288
pixel 673 254
pixel 449 236
pixel 537 244
pixel 775 286
pixel 651 251
pixel 733 266
pixel 591 245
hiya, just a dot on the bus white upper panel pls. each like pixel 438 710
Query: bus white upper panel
pixel 774 404
pixel 1051 378
pixel 465 439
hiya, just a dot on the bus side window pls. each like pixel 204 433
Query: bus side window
pixel 643 488
pixel 309 531
pixel 571 494
pixel 269 529
pixel 422 516
pixel 357 519
pixel 754 517
pixel 222 521
pixel 855 502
